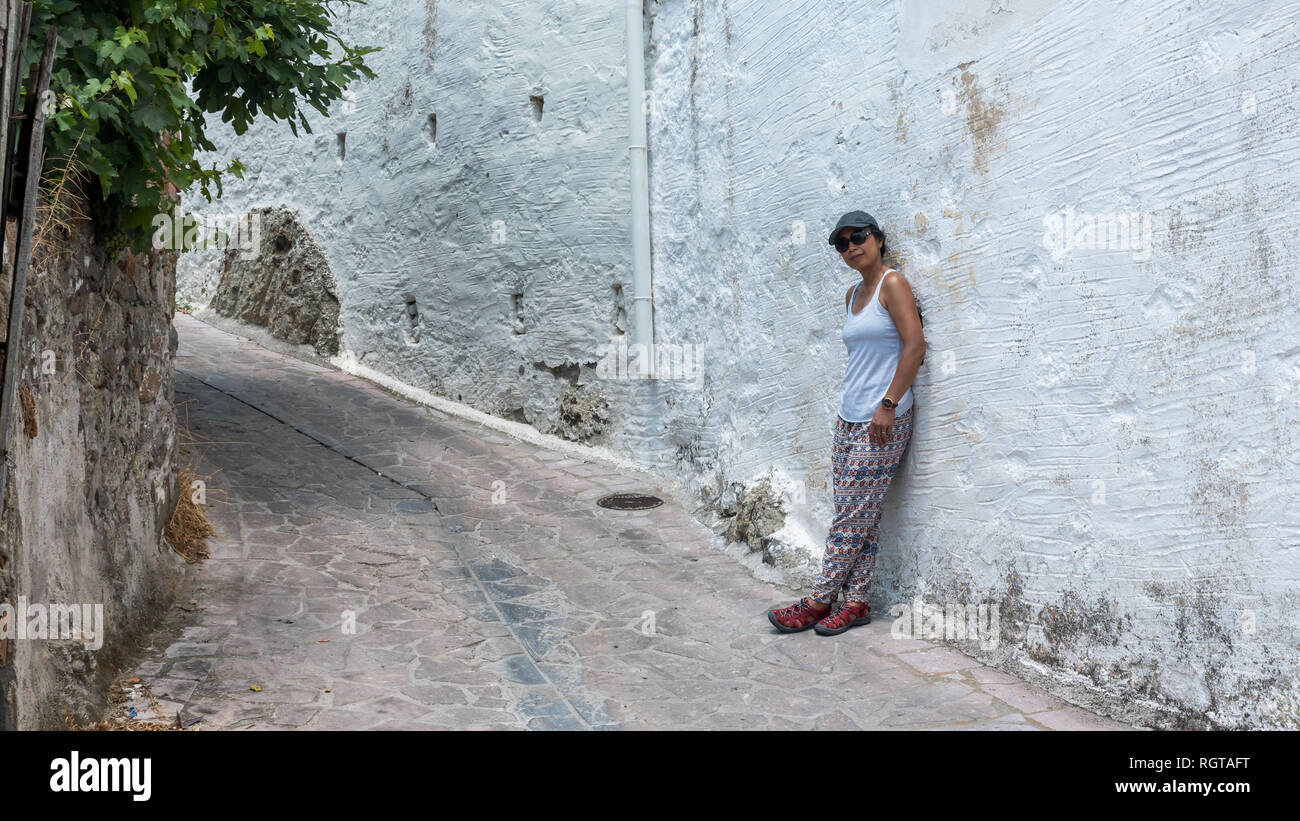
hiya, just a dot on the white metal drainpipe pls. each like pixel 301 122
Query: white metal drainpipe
pixel 642 301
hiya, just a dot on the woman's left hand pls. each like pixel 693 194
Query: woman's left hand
pixel 882 424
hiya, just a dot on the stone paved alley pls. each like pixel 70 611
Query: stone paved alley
pixel 331 495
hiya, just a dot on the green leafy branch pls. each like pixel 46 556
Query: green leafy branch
pixel 134 80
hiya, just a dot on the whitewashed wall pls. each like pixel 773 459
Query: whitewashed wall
pixel 1105 449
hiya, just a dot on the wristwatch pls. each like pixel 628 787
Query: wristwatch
pixel 889 403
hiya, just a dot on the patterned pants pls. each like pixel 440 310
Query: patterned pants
pixel 862 471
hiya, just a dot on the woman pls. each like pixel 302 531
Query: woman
pixel 882 332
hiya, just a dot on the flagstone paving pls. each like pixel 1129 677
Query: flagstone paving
pixel 383 565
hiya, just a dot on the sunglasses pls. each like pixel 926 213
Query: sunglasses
pixel 857 238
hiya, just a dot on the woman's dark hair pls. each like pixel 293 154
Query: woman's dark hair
pixel 880 235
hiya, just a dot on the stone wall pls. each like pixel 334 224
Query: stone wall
pixel 92 484
pixel 281 282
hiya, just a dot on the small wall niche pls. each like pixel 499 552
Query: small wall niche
pixel 537 102
pixel 517 302
pixel 619 320
pixel 341 149
pixel 431 129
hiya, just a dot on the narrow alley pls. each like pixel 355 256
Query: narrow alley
pixel 382 565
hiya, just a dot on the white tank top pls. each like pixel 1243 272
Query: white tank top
pixel 874 348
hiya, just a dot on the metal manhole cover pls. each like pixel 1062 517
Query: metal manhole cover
pixel 629 501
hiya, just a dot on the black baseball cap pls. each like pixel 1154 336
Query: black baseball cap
pixel 853 219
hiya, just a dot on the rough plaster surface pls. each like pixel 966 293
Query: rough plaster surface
pixel 92 478
pixel 1105 434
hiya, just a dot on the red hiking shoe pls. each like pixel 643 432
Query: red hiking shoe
pixel 850 615
pixel 798 616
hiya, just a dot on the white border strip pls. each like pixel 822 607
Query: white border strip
pixel 347 363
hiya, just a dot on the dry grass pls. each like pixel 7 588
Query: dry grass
pixel 29 410
pixel 119 719
pixel 189 528
pixel 59 207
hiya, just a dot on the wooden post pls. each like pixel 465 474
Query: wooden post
pixel 25 168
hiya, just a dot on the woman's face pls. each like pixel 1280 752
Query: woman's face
pixel 858 257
